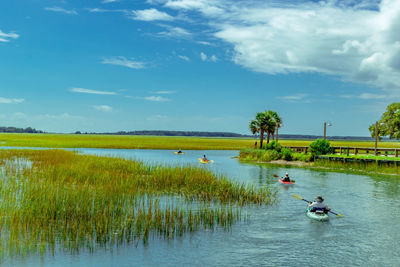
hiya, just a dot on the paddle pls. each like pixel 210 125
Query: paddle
pixel 275 175
pixel 299 197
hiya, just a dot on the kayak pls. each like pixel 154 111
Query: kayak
pixel 179 153
pixel 283 182
pixel 202 161
pixel 316 216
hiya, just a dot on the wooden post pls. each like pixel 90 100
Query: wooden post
pixel 324 130
pixel 340 150
pixel 396 153
pixel 376 138
pixel 355 151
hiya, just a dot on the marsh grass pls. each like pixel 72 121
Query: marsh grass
pixel 57 198
pixel 155 142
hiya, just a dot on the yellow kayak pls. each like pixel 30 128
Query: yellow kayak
pixel 179 153
pixel 202 161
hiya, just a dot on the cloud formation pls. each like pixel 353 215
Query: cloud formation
pixel 150 15
pixel 204 57
pixel 365 96
pixel 358 41
pixel 184 58
pixel 174 32
pixel 125 62
pixel 105 108
pixel 5 37
pixel 165 92
pixel 4 100
pixel 156 98
pixel 90 91
pixel 61 10
pixel 109 1
pixel 295 98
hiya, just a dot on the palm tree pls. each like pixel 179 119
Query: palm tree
pixel 277 121
pixel 265 122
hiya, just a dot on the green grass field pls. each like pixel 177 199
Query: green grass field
pixel 154 142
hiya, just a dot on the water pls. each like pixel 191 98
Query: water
pixel 280 235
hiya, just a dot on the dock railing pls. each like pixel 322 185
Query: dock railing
pixel 352 150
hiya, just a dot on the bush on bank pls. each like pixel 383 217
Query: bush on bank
pixel 266 155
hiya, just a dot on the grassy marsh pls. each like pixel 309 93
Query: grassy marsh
pixel 57 198
pixel 154 142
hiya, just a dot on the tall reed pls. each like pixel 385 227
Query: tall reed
pixel 56 198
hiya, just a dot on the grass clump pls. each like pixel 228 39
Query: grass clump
pixel 274 152
pixel 56 198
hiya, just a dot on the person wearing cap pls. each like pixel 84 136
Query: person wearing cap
pixel 319 205
pixel 286 178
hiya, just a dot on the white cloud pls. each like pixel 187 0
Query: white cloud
pixel 102 108
pixel 126 62
pixel 356 40
pixel 61 10
pixel 165 92
pixel 109 1
pixel 4 100
pixel 5 37
pixel 90 91
pixel 365 96
pixel 150 15
pixel 174 32
pixel 204 57
pixel 184 58
pixel 204 43
pixel 156 98
pixel 295 98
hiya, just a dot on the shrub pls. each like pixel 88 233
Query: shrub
pixel 320 147
pixel 273 145
pixel 302 157
pixel 287 154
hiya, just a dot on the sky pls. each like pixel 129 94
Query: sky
pixel 198 65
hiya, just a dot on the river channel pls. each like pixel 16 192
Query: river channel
pixel 368 234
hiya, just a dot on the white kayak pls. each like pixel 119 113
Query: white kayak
pixel 318 216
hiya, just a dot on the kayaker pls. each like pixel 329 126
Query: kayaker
pixel 205 159
pixel 180 151
pixel 286 178
pixel 318 205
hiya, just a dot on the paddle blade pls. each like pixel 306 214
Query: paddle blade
pixel 296 196
pixel 275 175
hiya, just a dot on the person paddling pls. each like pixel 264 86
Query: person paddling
pixel 318 205
pixel 180 151
pixel 286 178
pixel 205 159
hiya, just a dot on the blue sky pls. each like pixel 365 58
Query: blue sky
pixel 197 65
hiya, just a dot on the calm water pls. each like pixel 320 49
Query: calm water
pixel 281 235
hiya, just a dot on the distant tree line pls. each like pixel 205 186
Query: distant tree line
pixel 19 130
pixel 173 133
pixel 224 134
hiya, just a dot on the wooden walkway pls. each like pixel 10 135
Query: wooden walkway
pixel 394 152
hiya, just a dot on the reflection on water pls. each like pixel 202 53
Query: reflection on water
pixel 280 235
